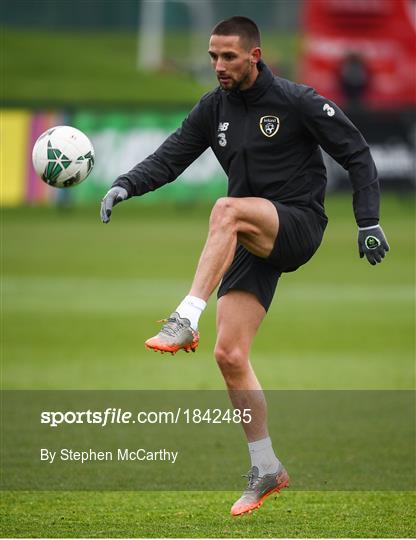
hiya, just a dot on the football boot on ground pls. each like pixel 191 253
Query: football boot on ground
pixel 175 334
pixel 258 488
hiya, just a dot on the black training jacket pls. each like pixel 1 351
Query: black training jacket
pixel 267 141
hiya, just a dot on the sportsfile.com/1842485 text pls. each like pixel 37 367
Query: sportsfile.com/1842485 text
pixel 112 415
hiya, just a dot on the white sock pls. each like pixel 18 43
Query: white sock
pixel 191 308
pixel 262 456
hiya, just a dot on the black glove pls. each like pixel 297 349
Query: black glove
pixel 372 243
pixel 113 197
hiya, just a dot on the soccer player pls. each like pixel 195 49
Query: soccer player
pixel 266 132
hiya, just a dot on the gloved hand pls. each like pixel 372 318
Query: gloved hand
pixel 114 196
pixel 372 243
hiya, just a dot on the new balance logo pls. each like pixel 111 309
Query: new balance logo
pixel 223 126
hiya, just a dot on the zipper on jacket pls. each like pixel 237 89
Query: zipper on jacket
pixel 245 158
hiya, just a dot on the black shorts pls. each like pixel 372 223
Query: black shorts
pixel 300 234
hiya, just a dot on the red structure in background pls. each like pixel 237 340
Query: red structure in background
pixel 361 50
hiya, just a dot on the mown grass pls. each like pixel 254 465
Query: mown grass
pixel 199 515
pixel 67 69
pixel 79 298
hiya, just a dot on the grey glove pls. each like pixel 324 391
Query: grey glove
pixel 113 197
pixel 372 243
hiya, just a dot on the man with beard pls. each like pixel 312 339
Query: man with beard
pixel 266 132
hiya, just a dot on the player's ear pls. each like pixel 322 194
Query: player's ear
pixel 255 55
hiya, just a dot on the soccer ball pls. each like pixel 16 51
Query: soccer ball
pixel 63 156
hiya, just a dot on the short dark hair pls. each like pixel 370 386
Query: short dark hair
pixel 243 27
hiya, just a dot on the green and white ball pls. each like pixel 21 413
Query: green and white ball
pixel 63 156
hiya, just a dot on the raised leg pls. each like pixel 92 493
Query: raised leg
pixel 251 221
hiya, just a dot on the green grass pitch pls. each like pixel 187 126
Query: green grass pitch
pixel 79 299
pixel 73 68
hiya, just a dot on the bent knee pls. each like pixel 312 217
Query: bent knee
pixel 230 360
pixel 224 204
pixel 223 213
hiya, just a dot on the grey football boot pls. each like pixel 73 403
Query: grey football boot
pixel 258 488
pixel 175 334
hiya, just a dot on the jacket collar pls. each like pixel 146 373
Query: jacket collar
pixel 261 84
